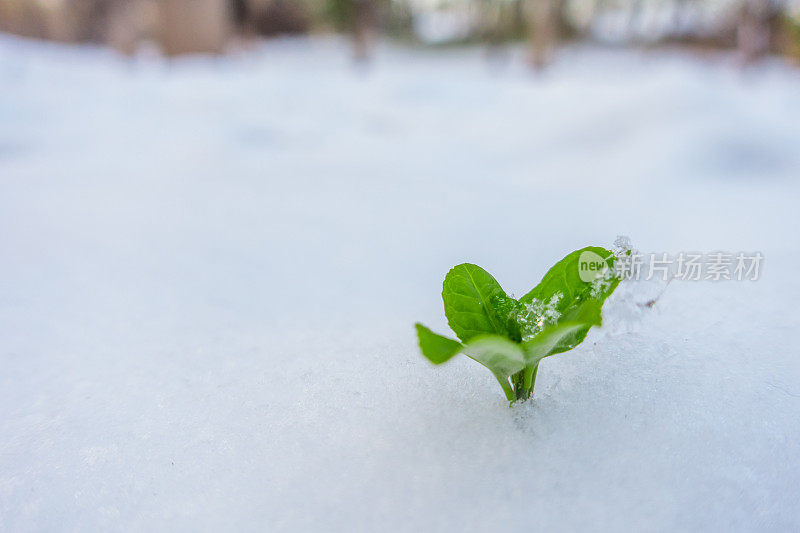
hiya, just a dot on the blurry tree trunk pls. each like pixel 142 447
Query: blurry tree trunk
pixel 279 17
pixel 363 28
pixel 85 20
pixel 489 21
pixel 123 27
pixel 194 26
pixel 130 22
pixel 753 32
pixel 23 17
pixel 240 13
pixel 543 17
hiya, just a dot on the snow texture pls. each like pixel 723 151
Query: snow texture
pixel 211 267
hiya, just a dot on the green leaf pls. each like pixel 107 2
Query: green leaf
pixel 564 278
pixel 511 337
pixel 500 355
pixel 436 348
pixel 545 343
pixel 586 312
pixel 574 299
pixel 508 311
pixel 471 298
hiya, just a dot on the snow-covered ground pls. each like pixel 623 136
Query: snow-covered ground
pixel 210 268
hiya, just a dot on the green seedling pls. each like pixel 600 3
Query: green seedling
pixel 510 337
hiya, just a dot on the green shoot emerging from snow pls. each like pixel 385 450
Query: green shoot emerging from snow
pixel 510 337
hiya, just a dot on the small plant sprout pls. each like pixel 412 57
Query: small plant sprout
pixel 510 337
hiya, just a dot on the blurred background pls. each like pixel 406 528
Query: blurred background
pixel 753 27
pixel 220 219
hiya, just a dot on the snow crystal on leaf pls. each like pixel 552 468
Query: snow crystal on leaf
pixel 537 314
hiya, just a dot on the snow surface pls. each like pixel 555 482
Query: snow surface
pixel 211 267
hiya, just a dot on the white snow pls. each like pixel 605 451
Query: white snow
pixel 210 268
